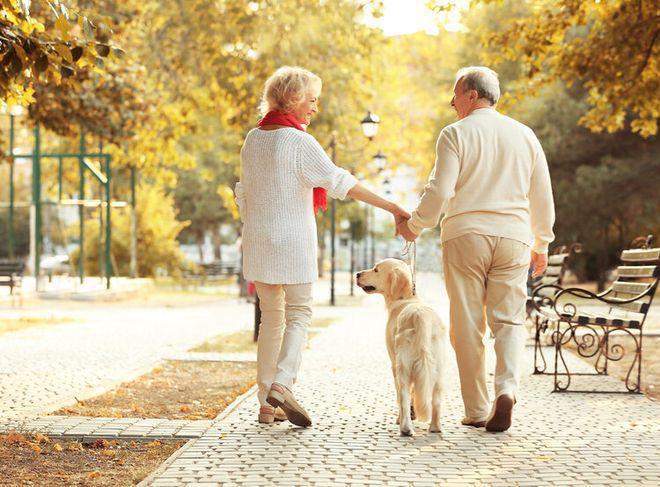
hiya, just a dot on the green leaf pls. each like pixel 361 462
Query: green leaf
pixel 88 28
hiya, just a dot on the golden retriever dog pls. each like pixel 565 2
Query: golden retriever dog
pixel 417 342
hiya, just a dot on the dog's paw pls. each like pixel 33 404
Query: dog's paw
pixel 434 428
pixel 407 429
pixel 407 432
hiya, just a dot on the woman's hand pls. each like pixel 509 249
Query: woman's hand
pixel 400 216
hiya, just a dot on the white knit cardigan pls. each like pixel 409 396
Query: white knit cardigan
pixel 279 169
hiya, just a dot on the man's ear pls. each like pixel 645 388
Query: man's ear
pixel 400 285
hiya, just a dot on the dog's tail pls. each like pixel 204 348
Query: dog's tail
pixel 423 365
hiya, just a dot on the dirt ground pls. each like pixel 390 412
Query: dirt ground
pixel 35 460
pixel 175 390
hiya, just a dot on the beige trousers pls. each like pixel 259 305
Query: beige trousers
pixel 486 283
pixel 286 312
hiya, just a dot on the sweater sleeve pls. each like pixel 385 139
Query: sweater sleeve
pixel 541 203
pixel 441 184
pixel 315 169
pixel 239 195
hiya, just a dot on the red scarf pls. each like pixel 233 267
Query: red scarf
pixel 274 117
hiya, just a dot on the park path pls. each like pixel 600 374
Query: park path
pixel 45 367
pixel 345 383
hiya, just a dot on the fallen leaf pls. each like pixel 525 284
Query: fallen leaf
pixel 35 448
pixel 184 409
pixel 94 475
pixel 74 446
pixel 544 457
pixel 14 437
pixel 100 443
pixel 41 438
pixel 57 447
pixel 108 453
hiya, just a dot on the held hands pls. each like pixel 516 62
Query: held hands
pixel 539 262
pixel 401 218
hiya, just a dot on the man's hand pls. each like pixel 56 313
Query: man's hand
pixel 539 263
pixel 403 230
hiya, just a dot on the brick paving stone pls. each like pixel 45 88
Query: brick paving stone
pixel 354 438
pixel 89 428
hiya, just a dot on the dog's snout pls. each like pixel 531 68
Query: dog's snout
pixel 358 275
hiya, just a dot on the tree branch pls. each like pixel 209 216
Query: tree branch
pixel 648 53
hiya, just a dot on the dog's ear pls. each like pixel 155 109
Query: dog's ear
pixel 400 284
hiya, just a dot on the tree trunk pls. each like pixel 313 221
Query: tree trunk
pixel 217 242
pixel 200 247
pixel 242 283
pixel 321 257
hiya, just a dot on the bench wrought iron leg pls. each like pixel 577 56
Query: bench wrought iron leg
pixel 541 326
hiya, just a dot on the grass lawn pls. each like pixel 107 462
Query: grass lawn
pixel 242 341
pixel 14 324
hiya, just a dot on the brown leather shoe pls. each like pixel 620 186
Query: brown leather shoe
pixel 280 396
pixel 269 414
pixel 501 418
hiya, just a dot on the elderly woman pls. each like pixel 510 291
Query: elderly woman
pixel 285 174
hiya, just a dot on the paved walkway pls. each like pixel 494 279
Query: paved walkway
pixel 43 368
pixel 557 439
pixel 85 428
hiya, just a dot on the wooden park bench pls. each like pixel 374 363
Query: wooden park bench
pixel 212 271
pixel 588 321
pixel 11 275
pixel 221 269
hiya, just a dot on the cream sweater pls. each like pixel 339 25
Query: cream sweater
pixel 491 178
pixel 279 168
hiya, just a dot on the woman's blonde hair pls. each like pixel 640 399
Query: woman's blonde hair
pixel 287 88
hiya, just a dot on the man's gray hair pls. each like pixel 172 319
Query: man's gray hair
pixel 481 79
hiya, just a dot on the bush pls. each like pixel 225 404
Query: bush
pixel 157 231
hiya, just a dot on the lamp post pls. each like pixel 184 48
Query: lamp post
pixel 380 163
pixel 369 129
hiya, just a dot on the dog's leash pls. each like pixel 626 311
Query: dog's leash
pixel 412 262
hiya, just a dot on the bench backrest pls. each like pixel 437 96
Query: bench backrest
pixel 557 266
pixel 9 268
pixel 638 275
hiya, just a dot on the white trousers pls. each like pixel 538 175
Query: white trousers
pixel 286 312
pixel 486 282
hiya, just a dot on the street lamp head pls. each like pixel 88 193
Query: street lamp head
pixel 370 125
pixel 380 161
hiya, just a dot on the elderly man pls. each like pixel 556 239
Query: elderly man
pixel 492 183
